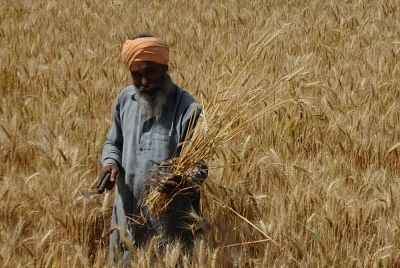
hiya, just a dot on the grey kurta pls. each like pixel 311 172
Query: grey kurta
pixel 138 147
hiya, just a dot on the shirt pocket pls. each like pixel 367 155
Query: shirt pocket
pixel 163 146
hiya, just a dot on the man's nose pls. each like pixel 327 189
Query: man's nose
pixel 144 82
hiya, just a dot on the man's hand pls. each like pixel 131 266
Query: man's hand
pixel 169 184
pixel 107 177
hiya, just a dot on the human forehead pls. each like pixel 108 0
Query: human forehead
pixel 143 65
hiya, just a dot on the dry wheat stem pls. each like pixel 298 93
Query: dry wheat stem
pixel 243 218
pixel 256 52
pixel 245 243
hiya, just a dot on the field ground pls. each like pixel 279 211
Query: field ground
pixel 311 184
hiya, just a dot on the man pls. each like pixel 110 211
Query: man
pixel 150 120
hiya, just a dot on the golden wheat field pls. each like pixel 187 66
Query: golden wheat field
pixel 313 182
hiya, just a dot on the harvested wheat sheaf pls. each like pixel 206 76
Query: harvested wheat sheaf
pixel 224 121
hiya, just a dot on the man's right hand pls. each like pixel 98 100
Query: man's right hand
pixel 109 173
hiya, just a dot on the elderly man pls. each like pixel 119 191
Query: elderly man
pixel 150 120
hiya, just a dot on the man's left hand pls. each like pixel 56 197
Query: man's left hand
pixel 169 184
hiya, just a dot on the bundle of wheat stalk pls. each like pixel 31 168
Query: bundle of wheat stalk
pixel 223 118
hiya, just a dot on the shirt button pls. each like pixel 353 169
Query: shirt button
pixel 141 149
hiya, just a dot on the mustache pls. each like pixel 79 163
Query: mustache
pixel 155 85
pixel 151 88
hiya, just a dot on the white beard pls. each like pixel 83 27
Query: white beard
pixel 151 105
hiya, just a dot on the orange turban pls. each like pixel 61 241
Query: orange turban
pixel 145 49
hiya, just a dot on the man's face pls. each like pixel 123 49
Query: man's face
pixel 148 76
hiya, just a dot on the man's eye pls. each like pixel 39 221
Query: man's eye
pixel 149 72
pixel 152 70
pixel 135 74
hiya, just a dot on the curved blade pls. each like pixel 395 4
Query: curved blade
pixel 88 194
